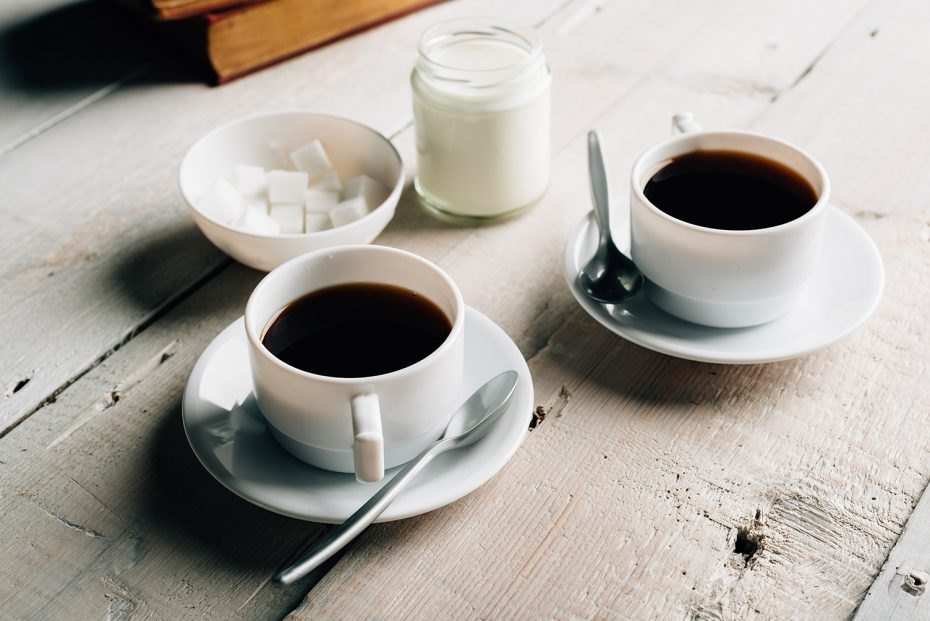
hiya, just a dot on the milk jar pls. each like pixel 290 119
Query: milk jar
pixel 481 91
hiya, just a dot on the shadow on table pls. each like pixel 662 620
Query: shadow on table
pixel 641 375
pixel 199 523
pixel 412 217
pixel 658 383
pixel 81 46
pixel 170 260
pixel 208 526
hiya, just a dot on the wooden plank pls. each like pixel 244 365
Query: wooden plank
pixel 651 480
pixel 52 67
pixel 598 65
pixel 107 245
pixel 81 553
pixel 105 509
pixel 899 591
pixel 584 535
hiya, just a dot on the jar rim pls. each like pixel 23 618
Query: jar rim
pixel 443 34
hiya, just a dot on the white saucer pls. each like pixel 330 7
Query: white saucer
pixel 844 291
pixel 230 438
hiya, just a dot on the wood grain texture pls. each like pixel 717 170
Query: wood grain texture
pixel 57 58
pixel 97 515
pixel 589 91
pixel 900 591
pixel 652 479
pixel 644 489
pixel 98 249
pixel 106 511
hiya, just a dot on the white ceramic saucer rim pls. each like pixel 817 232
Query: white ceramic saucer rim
pixel 790 349
pixel 513 428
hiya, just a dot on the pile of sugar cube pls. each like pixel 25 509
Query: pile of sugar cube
pixel 308 199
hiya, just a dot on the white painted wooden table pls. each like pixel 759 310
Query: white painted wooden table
pixel 648 475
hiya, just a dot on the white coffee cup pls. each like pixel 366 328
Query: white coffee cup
pixel 717 277
pixel 366 424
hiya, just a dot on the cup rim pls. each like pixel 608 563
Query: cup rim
pixel 649 156
pixel 458 321
pixel 191 204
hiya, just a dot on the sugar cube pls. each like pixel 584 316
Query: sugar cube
pixel 348 211
pixel 329 181
pixel 290 217
pixel 222 202
pixel 280 151
pixel 257 202
pixel 250 180
pixel 311 159
pixel 373 190
pixel 314 222
pixel 286 186
pixel 320 201
pixel 257 221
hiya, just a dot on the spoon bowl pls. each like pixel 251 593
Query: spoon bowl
pixel 610 277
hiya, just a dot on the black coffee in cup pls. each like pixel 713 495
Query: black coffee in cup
pixel 356 330
pixel 730 190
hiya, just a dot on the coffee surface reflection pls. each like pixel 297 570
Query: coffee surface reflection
pixel 356 330
pixel 730 190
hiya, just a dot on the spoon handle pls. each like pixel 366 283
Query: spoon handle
pixel 357 522
pixel 598 185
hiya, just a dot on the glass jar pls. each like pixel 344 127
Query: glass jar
pixel 481 109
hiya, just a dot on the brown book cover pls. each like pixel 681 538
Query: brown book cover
pixel 180 9
pixel 237 41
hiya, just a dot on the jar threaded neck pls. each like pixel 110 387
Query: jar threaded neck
pixel 476 57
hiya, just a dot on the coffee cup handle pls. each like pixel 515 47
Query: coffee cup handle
pixel 683 123
pixel 369 442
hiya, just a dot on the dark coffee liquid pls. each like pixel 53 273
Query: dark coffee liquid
pixel 356 330
pixel 730 190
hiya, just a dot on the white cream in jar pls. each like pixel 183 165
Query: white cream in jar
pixel 482 115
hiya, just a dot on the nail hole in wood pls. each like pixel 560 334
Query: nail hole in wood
pixel 539 415
pixel 19 385
pixel 747 544
pixel 915 583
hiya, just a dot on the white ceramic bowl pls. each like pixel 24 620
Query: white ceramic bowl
pixel 353 149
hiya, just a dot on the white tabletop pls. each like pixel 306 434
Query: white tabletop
pixel 650 479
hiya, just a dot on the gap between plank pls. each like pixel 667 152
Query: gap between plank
pixel 817 58
pixel 169 305
pixel 100 93
pixel 73 109
pixel 545 18
pixel 887 598
pixel 141 327
pixel 323 570
pixel 773 101
pixel 131 75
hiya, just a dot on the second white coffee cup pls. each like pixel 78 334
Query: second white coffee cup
pixel 365 424
pixel 725 278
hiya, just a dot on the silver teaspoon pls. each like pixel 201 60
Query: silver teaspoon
pixel 610 277
pixel 470 422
